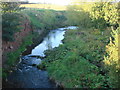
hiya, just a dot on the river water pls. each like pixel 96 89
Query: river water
pixel 27 75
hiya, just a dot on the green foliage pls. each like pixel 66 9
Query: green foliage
pixel 105 13
pixel 75 72
pixel 97 10
pixel 77 63
pixel 112 61
pixel 99 23
pixel 111 13
pixel 10 7
pixel 98 14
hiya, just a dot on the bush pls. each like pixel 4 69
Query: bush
pixel 105 13
pixel 111 61
pixel 10 7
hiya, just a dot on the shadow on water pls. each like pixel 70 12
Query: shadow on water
pixel 27 75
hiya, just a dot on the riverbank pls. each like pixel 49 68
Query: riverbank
pixel 78 62
pixel 13 57
pixel 12 50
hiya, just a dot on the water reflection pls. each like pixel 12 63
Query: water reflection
pixel 54 39
pixel 48 43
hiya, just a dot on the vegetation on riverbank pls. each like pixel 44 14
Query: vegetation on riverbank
pixel 77 63
pixel 112 61
pixel 84 61
pixel 14 57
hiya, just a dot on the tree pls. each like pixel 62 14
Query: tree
pixel 10 7
pixel 106 13
pixel 111 13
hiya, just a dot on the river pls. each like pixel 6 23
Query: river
pixel 26 74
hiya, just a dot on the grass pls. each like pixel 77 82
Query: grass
pixel 78 62
pixel 34 20
pixel 44 6
pixel 42 19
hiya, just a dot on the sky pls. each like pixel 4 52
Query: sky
pixel 60 2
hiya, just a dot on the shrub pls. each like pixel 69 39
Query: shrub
pixel 112 61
